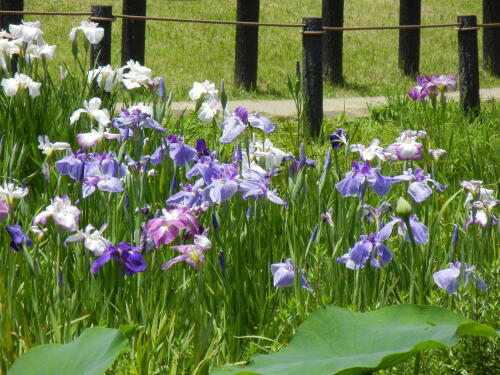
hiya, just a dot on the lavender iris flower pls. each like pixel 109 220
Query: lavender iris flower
pixel 190 196
pixel 179 152
pixel 19 238
pixel 158 155
pixel 418 189
pixel 123 254
pixel 206 167
pixel 131 121
pixel 284 274
pixel 72 165
pixel 449 278
pixel 443 82
pixel 224 183
pixel 103 172
pixel 361 176
pixel 420 231
pixel 236 124
pixel 368 247
pixel 339 138
pixel 255 185
pixel 428 85
pixel 96 170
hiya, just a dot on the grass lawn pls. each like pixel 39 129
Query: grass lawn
pixel 184 52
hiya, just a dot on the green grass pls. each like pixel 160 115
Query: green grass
pixel 183 53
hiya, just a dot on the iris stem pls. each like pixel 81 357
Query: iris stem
pixel 417 264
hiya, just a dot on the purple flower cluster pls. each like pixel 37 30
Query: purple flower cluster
pixel 430 85
pixel 241 119
pixel 101 171
pixel 449 279
pixel 131 121
pixel 362 176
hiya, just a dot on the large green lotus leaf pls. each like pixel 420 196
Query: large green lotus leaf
pixel 90 354
pixel 337 341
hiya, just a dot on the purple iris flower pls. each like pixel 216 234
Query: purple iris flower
pixel 339 138
pixel 161 90
pixel 179 152
pixel 238 154
pixel 201 147
pixel 368 247
pixel 103 172
pixel 224 183
pixel 255 185
pixel 101 182
pixel 423 80
pixel 123 254
pixel 131 121
pixel 418 189
pixel 449 278
pixel 361 176
pixel 443 82
pixel 191 254
pixel 420 231
pixel 284 274
pixel 301 163
pixel 73 165
pixel 372 213
pixel 236 124
pixel 190 196
pixel 96 170
pixel 158 155
pixel 164 229
pixel 304 161
pixel 418 93
pixel 19 238
pixel 206 167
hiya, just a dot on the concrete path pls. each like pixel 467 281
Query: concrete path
pixel 351 107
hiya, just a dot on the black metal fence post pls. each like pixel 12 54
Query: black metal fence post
pixel 247 45
pixel 312 63
pixel 133 31
pixel 333 15
pixel 100 53
pixel 468 64
pixel 491 37
pixel 8 19
pixel 409 39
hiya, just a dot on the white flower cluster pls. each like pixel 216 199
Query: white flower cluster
pixel 133 75
pixel 92 108
pixel 211 105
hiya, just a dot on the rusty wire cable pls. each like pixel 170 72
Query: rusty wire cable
pixel 242 23
pixel 8 12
